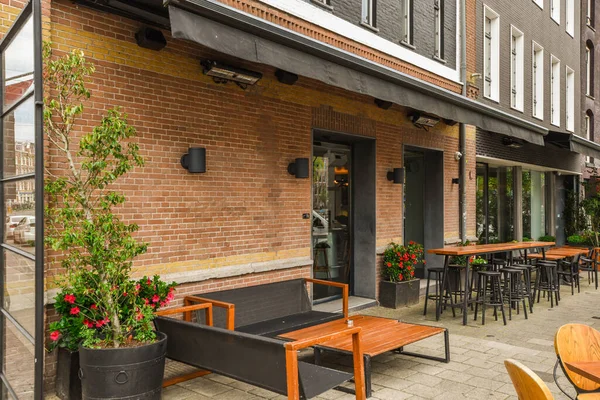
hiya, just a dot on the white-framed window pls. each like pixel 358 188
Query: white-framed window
pixel 438 9
pixel 588 132
pixel 589 15
pixel 368 12
pixel 537 80
pixel 570 17
pixel 554 91
pixel 589 69
pixel 555 10
pixel 540 3
pixel 491 54
pixel 408 22
pixel 516 68
pixel 570 100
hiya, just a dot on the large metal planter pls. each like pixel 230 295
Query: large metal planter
pixel 399 294
pixel 123 373
pixel 68 385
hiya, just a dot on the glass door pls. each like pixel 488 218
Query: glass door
pixel 21 188
pixel 332 180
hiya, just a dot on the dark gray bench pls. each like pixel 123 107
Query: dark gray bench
pixel 270 309
pixel 261 361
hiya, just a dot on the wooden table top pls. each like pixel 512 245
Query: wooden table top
pixel 379 335
pixel 568 251
pixel 549 257
pixel 587 369
pixel 487 248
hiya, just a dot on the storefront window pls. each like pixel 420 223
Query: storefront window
pixel 495 203
pixel 534 204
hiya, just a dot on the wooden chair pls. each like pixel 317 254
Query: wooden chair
pixel 578 342
pixel 528 385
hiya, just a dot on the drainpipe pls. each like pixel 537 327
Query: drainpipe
pixel 462 168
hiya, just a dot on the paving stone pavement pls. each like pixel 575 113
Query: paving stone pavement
pixel 476 370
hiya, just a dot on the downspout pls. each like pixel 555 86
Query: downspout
pixel 462 146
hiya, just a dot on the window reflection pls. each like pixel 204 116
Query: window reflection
pixel 19 140
pixel 18 65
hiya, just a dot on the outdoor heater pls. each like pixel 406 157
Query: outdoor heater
pixel 396 176
pixel 195 160
pixel 222 73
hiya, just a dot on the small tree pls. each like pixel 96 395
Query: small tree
pixel 99 304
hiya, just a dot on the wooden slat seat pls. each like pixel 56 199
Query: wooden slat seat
pixel 578 343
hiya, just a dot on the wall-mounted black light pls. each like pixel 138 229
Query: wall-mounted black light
pixel 299 168
pixel 456 181
pixel 383 104
pixel 396 176
pixel 150 38
pixel 285 77
pixel 195 160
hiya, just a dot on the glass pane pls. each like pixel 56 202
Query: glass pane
pixel 527 204
pixel 481 208
pixel 19 289
pixel 18 65
pixel 18 363
pixel 19 200
pixel 19 140
pixel 5 393
pixel 534 204
pixel 500 204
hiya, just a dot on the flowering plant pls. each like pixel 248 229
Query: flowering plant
pixel 478 263
pixel 399 262
pixel 85 320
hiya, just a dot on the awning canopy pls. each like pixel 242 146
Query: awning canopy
pixel 574 143
pixel 233 32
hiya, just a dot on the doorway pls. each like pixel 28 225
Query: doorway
pixel 343 214
pixel 424 202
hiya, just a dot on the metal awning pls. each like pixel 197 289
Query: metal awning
pixel 233 32
pixel 574 143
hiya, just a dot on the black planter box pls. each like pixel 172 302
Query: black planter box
pixel 399 294
pixel 68 385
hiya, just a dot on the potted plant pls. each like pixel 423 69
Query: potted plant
pixel 400 287
pixel 103 312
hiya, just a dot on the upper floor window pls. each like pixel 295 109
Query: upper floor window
pixel 589 129
pixel 590 6
pixel 537 79
pixel 368 12
pixel 408 22
pixel 540 3
pixel 570 100
pixel 570 17
pixel 491 54
pixel 438 8
pixel 516 69
pixel 555 10
pixel 555 91
pixel 589 68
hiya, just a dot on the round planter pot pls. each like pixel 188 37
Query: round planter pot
pixel 123 373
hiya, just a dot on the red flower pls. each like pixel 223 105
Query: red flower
pixel 413 256
pixel 389 264
pixel 146 301
pixel 424 262
pixel 69 298
pixel 94 307
pixel 401 265
pixel 88 323
pixel 149 282
pixel 99 323
pixel 411 242
pixel 137 287
pixel 405 258
pixel 74 310
pixel 106 320
pixel 155 298
pixel 409 268
pixel 400 277
pixel 124 294
pixel 170 296
pixel 412 273
pixel 139 316
pixel 55 335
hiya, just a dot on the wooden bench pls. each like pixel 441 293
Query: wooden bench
pixel 270 309
pixel 265 362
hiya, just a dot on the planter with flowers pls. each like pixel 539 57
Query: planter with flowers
pixel 400 287
pixel 103 312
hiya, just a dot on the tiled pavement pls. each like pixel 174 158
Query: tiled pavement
pixel 476 370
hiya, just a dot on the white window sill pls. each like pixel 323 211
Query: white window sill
pixel 537 4
pixel 491 99
pixel 555 124
pixel 406 44
pixel 322 5
pixel 517 109
pixel 369 27
pixel 555 21
pixel 538 118
pixel 438 59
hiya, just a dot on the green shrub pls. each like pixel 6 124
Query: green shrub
pixel 547 238
pixel 578 240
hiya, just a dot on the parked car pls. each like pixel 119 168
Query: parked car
pixel 11 223
pixel 24 233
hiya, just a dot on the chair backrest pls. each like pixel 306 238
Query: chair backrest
pixel 577 342
pixel 528 385
pixel 261 302
pixel 252 359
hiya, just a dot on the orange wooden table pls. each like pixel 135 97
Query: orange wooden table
pixel 452 251
pixel 587 369
pixel 378 335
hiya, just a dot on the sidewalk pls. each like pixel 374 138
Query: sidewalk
pixel 477 352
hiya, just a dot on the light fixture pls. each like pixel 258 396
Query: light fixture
pixel 195 160
pixel 223 73
pixel 285 77
pixel 299 168
pixel 383 104
pixel 456 181
pixel 458 155
pixel 396 175
pixel 423 120
pixel 150 38
pixel 512 143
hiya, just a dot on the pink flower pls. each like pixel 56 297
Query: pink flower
pixel 137 287
pixel 139 316
pixel 55 335
pixel 162 303
pixel 149 282
pixel 146 301
pixel 106 320
pixel 155 298
pixel 170 296
pixel 74 310
pixel 69 298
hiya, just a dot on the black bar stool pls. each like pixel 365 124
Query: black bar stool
pixel 438 276
pixel 493 298
pixel 547 281
pixel 514 289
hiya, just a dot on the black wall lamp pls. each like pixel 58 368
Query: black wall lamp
pixel 383 104
pixel 150 38
pixel 299 168
pixel 195 160
pixel 456 181
pixel 396 176
pixel 285 77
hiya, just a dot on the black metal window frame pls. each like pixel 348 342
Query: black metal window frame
pixel 33 10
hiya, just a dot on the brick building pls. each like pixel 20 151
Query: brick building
pixel 338 87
